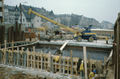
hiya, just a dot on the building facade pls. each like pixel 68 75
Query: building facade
pixel 1 11
pixel 14 14
pixel 36 22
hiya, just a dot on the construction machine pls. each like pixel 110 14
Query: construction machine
pixel 86 34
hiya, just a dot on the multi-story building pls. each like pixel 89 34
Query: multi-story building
pixel 15 14
pixel 1 11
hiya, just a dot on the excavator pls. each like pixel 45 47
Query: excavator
pixel 86 34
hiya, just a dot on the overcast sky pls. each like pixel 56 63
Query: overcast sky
pixel 98 9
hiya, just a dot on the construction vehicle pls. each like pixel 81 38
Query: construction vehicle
pixel 86 34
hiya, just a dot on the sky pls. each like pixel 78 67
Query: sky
pixel 98 9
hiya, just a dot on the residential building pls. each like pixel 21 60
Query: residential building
pixel 1 11
pixel 6 15
pixel 36 21
pixel 14 14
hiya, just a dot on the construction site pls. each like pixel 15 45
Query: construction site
pixel 62 53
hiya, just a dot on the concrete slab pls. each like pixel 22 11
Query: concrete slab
pixel 96 44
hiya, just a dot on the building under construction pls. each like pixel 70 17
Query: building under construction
pixel 27 56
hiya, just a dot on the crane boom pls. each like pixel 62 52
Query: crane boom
pixel 52 21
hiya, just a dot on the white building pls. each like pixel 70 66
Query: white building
pixel 36 22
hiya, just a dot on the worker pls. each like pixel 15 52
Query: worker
pixel 78 65
pixel 91 75
pixel 106 40
pixel 94 69
pixel 57 58
pixel 82 69
pixel 75 35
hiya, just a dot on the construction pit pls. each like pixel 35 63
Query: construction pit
pixel 40 62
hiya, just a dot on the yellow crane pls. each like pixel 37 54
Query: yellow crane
pixel 52 21
pixel 86 34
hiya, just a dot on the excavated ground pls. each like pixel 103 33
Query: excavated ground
pixel 10 72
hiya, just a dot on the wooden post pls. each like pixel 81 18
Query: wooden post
pixel 38 60
pixel 33 48
pixel 41 60
pixel 63 65
pixel 27 57
pixel 50 62
pixel 60 63
pixel 33 56
pixel 71 62
pixel 85 61
pixel 4 57
pixel 12 53
pixel 22 57
pixel 18 56
pixel 31 59
pixel 12 46
pixel 68 64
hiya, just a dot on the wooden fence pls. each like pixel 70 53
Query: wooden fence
pixel 43 61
